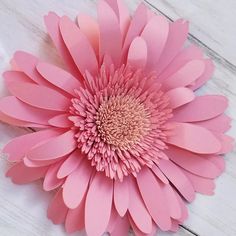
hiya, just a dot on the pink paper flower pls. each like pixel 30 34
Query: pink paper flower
pixel 120 133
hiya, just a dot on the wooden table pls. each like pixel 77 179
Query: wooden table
pixel 213 28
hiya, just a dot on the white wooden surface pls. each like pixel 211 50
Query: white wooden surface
pixel 213 27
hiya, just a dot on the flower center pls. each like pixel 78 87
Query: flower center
pixel 120 118
pixel 122 121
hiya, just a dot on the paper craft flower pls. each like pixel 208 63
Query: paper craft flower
pixel 120 133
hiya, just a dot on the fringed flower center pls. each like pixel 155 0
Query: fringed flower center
pixel 122 121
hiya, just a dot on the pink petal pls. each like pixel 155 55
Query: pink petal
pixel 194 163
pixel 98 205
pixel 137 209
pixel 89 27
pixel 75 218
pixel 16 76
pixel 121 228
pixel 151 191
pixel 155 34
pixel 52 23
pixel 14 66
pixel 33 163
pixel 61 121
pixel 113 219
pixel 180 96
pixel 121 196
pixel 124 17
pixel 110 35
pixel 194 138
pixel 113 4
pixel 54 148
pixel 172 201
pixel 227 143
pixel 218 161
pixel 159 174
pixel 76 185
pixel 20 123
pixel 122 13
pixel 18 147
pixel 51 181
pixel 220 123
pixel 137 56
pixel 21 174
pixel 178 32
pixel 59 77
pixel 70 164
pixel 185 75
pixel 209 69
pixel 78 46
pixel 178 179
pixel 138 232
pixel 184 56
pixel 200 184
pixel 137 24
pixel 27 63
pixel 13 107
pixel 32 95
pixel 201 108
pixel 57 210
pixel 184 210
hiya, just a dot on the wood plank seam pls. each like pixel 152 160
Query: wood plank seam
pixel 189 230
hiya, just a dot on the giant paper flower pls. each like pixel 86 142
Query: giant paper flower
pixel 120 133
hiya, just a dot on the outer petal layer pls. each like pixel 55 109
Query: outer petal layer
pixel 98 205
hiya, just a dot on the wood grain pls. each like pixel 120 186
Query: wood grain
pixel 212 27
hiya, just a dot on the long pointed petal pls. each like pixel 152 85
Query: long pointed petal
pixel 27 63
pixel 75 218
pixel 137 56
pixel 98 205
pixel 57 210
pixel 178 179
pixel 59 77
pixel 137 209
pixel 52 21
pixel 51 181
pixel 154 199
pixel 194 138
pixel 136 26
pixel 201 108
pixel 121 196
pixel 180 96
pixel 21 174
pixel 13 107
pixel 78 46
pixel 193 163
pixel 155 34
pixel 178 32
pixel 186 75
pixel 90 29
pixel 70 164
pixel 76 185
pixel 54 148
pixel 18 147
pixel 110 35
pixel 39 96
